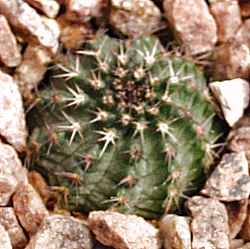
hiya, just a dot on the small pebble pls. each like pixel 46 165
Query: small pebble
pixel 123 231
pixel 230 180
pixel 175 231
pixel 209 225
pixel 233 96
pixel 61 232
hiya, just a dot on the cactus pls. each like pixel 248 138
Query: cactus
pixel 123 125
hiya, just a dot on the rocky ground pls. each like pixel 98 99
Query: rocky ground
pixel 214 33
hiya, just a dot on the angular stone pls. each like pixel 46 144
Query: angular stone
pixel 209 225
pixel 123 231
pixel 193 24
pixel 231 60
pixel 29 208
pixel 82 10
pixel 135 18
pixel 237 213
pixel 4 239
pixel 9 51
pixel 244 8
pixel 28 22
pixel 175 231
pixel 233 96
pixel 61 232
pixel 230 180
pixel 12 120
pixel 49 7
pixel 9 221
pixel 11 173
pixel 73 35
pixel 54 27
pixel 32 69
pixel 228 18
pixel 239 138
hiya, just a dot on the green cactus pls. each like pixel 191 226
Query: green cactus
pixel 124 125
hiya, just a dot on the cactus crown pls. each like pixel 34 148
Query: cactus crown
pixel 124 125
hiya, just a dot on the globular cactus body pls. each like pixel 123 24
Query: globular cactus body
pixel 124 125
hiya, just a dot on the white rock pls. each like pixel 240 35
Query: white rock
pixel 32 69
pixel 123 231
pixel 61 232
pixel 4 239
pixel 230 180
pixel 12 120
pixel 82 10
pixel 48 7
pixel 11 173
pixel 23 18
pixel 135 18
pixel 9 221
pixel 9 51
pixel 233 96
pixel 193 24
pixel 175 231
pixel 209 225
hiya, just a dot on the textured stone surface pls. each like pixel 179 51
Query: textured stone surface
pixel 32 69
pixel 228 18
pixel 4 239
pixel 193 24
pixel 233 96
pixel 237 213
pixel 175 231
pixel 11 173
pixel 73 35
pixel 9 51
pixel 28 22
pixel 239 138
pixel 12 120
pixel 82 10
pixel 135 17
pixel 54 28
pixel 29 208
pixel 231 60
pixel 230 180
pixel 209 225
pixel 61 232
pixel 9 221
pixel 123 231
pixel 49 7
